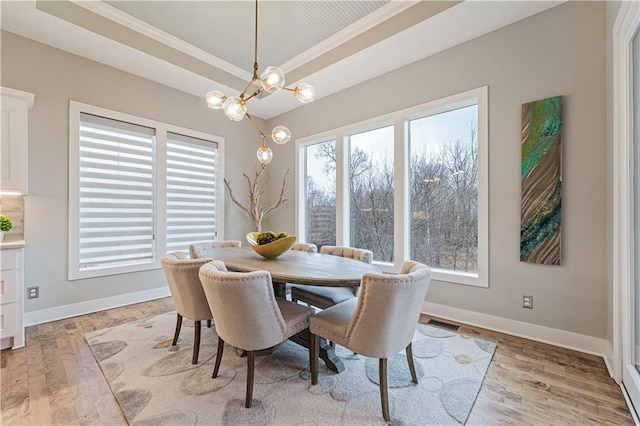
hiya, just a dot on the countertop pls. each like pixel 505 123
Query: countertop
pixel 12 244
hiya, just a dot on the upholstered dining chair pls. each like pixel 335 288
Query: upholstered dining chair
pixel 379 323
pixel 195 250
pixel 187 294
pixel 324 297
pixel 306 247
pixel 248 315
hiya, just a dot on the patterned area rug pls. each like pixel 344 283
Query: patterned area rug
pixel 156 384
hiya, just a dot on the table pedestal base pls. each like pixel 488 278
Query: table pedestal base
pixel 327 351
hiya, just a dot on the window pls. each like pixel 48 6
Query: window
pixel 371 192
pixel 408 185
pixel 191 191
pixel 137 189
pixel 116 193
pixel 320 185
pixel 443 189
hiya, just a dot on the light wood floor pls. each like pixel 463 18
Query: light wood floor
pixel 55 380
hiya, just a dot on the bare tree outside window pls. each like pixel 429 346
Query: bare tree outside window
pixel 353 187
pixel 371 192
pixel 320 161
pixel 444 190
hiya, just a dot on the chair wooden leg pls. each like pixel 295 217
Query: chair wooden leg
pixel 218 357
pixel 412 366
pixel 250 365
pixel 384 397
pixel 314 352
pixel 196 341
pixel 208 323
pixel 178 328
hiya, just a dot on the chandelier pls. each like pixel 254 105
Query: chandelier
pixel 271 81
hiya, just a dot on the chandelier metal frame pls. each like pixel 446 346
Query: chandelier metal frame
pixel 271 81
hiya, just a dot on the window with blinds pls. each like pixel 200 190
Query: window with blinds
pixel 191 191
pixel 138 188
pixel 117 193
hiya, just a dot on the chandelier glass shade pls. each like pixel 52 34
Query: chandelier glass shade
pixel 271 80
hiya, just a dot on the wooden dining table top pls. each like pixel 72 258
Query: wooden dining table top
pixel 295 266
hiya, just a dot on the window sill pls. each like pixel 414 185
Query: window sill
pixel 459 277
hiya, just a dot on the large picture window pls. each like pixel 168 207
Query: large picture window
pixel 137 190
pixel 371 192
pixel 320 196
pixel 443 189
pixel 408 185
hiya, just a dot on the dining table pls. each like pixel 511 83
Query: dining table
pixel 299 267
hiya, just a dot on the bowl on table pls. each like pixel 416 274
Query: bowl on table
pixel 273 249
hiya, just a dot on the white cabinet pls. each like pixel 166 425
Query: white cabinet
pixel 11 297
pixel 14 106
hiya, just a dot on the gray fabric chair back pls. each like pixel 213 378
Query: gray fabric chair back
pixel 309 248
pixel 388 310
pixel 362 255
pixel 244 307
pixel 196 249
pixel 186 290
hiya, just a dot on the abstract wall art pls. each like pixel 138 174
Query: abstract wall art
pixel 540 225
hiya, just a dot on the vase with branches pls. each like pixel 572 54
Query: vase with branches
pixel 256 210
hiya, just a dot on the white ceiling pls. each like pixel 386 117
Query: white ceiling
pixel 198 46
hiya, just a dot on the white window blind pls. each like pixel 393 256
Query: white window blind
pixel 191 191
pixel 116 193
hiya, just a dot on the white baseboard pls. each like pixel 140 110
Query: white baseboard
pixel 609 361
pixel 75 309
pixel 6 343
pixel 552 336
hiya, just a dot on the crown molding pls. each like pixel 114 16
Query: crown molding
pixel 115 15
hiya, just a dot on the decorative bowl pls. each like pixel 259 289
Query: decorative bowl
pixel 274 248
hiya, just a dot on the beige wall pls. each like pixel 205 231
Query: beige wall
pixel 558 52
pixel 55 77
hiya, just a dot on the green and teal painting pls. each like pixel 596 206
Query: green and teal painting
pixel 540 226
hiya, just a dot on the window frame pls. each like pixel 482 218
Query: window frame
pixel 160 184
pixel 401 162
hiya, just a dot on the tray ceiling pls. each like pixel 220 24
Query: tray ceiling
pixel 197 46
pixel 285 28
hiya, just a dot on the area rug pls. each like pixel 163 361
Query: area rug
pixel 156 384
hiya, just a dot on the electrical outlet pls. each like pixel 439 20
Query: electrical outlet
pixel 33 292
pixel 527 302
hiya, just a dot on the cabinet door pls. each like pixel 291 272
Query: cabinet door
pixel 8 327
pixel 13 136
pixel 12 296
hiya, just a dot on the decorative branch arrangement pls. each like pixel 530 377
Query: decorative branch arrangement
pixel 254 210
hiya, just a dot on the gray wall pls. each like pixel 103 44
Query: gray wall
pixel 558 52
pixel 55 77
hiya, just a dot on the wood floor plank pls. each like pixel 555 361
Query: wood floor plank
pixel 14 386
pixel 55 379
